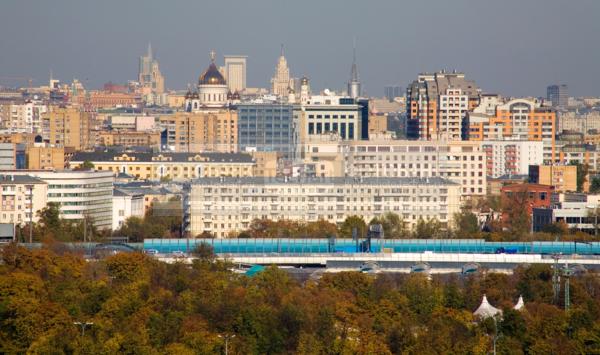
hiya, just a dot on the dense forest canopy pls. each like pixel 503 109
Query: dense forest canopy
pixel 139 305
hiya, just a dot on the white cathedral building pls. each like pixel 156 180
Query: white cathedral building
pixel 211 92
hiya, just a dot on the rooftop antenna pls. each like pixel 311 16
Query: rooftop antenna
pixel 281 54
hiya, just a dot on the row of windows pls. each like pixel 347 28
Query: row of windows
pixel 81 194
pixel 84 186
pixel 377 191
pixel 268 110
pixel 330 116
pixel 320 128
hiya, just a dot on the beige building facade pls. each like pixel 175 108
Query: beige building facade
pixel 22 197
pixel 69 127
pixel 45 158
pixel 201 131
pixel 462 162
pixel 225 205
pixel 128 138
pixel 170 166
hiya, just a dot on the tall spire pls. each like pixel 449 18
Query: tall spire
pixel 149 50
pixel 213 56
pixel 281 55
pixel 354 74
pixel 354 83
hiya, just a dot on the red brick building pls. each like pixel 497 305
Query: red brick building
pixel 525 196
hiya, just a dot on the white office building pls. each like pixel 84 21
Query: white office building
pixel 322 114
pixel 80 194
pixel 126 204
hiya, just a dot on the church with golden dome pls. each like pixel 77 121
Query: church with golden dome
pixel 211 92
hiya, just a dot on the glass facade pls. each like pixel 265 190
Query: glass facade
pixel 266 127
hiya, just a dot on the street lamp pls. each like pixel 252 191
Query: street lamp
pixel 83 325
pixel 497 335
pixel 227 337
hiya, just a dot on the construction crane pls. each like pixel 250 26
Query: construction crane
pixel 18 78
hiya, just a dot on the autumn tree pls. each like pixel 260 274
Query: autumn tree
pixel 466 225
pixel 428 229
pixel 394 227
pixel 350 223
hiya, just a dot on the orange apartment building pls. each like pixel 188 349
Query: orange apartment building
pixel 520 120
pixel 437 105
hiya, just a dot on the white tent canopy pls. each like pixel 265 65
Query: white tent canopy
pixel 520 304
pixel 486 310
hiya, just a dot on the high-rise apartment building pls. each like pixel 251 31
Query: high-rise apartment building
pixel 235 72
pixel 68 127
pixel 149 74
pixel 281 81
pixel 212 131
pixel 437 103
pixel 558 95
pixel 518 119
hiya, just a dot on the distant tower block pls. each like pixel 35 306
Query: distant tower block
pixel 281 81
pixel 235 72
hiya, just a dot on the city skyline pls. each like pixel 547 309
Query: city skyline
pixel 520 50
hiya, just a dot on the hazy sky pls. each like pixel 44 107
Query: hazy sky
pixel 513 47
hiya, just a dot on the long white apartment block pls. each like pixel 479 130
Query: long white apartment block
pixel 223 205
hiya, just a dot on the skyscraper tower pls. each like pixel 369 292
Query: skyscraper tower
pixel 557 95
pixel 354 83
pixel 235 72
pixel 280 83
pixel 149 74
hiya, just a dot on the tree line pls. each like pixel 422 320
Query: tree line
pixel 134 304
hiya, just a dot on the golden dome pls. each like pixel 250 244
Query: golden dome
pixel 212 75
